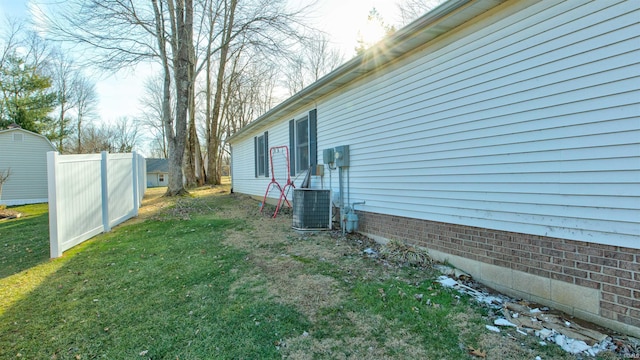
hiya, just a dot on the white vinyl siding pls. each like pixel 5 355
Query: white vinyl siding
pixel 529 124
pixel 243 169
pixel 25 154
pixel 525 120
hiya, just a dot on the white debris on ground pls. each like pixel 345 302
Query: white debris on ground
pixel 494 301
pixel 503 322
pixel 370 252
pixel 492 328
pixel 549 327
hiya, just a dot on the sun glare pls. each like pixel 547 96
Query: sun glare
pixel 372 32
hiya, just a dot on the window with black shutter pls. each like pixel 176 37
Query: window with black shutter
pixel 303 143
pixel 261 154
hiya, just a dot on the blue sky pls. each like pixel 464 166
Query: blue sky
pixel 13 8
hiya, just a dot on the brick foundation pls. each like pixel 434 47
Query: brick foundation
pixel 613 273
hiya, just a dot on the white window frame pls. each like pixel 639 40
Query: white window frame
pixel 262 153
pixel 300 167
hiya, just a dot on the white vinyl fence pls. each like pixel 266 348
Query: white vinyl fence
pixel 89 194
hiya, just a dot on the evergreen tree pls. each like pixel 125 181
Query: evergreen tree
pixel 27 97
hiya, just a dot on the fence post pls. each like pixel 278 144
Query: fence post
pixel 105 191
pixel 143 170
pixel 55 250
pixel 134 173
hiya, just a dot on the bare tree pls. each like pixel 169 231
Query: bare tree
pixel 213 135
pixel 315 59
pixel 111 33
pixel 122 33
pixel 120 137
pixel 125 134
pixel 151 115
pixel 254 30
pixel 64 76
pixel 180 40
pixel 86 107
pixel 413 9
pixel 250 93
pixel 97 139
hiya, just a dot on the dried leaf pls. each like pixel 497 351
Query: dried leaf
pixel 477 352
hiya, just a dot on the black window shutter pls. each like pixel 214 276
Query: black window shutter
pixel 292 147
pixel 313 140
pixel 255 154
pixel 266 154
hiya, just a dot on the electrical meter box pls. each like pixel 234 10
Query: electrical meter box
pixel 327 156
pixel 341 155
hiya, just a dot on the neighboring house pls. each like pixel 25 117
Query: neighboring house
pixel 25 153
pixel 157 172
pixel 503 136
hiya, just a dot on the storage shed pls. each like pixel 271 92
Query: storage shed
pixel 157 172
pixel 502 136
pixel 25 154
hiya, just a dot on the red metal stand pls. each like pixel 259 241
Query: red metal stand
pixel 283 194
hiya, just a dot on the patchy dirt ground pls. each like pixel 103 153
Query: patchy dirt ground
pixel 9 214
pixel 280 256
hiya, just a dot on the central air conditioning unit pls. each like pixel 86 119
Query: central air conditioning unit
pixel 311 209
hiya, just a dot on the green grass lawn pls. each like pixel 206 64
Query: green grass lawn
pixel 24 242
pixel 157 289
pixel 209 277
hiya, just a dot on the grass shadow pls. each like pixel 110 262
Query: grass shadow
pixel 24 242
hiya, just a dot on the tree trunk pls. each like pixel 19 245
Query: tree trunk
pixel 201 166
pixel 192 136
pixel 192 143
pixel 182 24
pixel 61 133
pixel 213 145
pixel 79 127
pixel 181 65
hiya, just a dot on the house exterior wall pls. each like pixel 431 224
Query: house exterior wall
pixel 26 156
pixel 523 124
pixel 591 281
pixel 511 127
pixel 153 179
pixel 243 173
